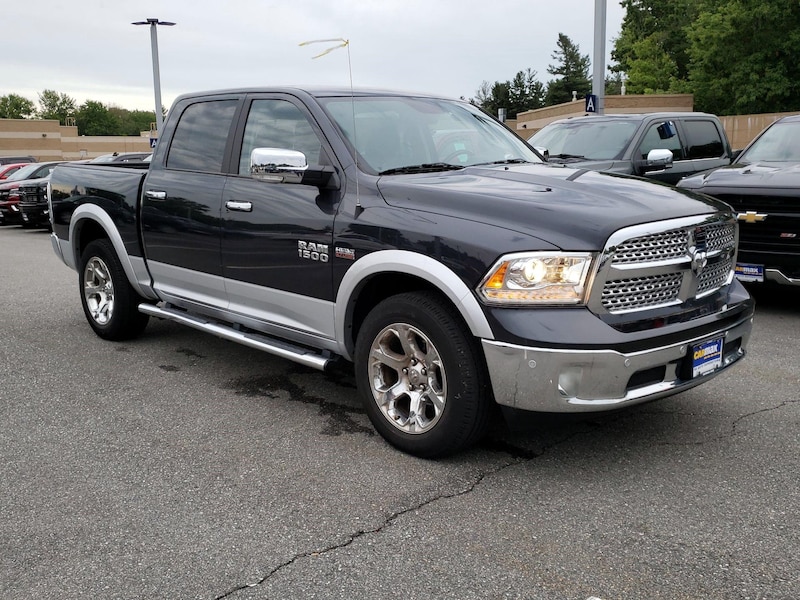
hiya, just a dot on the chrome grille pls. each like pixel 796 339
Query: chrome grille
pixel 663 246
pixel 665 263
pixel 714 277
pixel 721 236
pixel 641 292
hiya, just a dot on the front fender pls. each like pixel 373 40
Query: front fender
pixel 410 263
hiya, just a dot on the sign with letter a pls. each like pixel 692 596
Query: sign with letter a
pixel 591 103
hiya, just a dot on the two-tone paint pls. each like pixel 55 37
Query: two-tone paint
pixel 224 248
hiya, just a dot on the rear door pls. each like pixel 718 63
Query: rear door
pixel 182 196
pixel 277 237
pixel 706 144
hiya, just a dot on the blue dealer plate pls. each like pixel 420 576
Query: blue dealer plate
pixel 749 272
pixel 706 357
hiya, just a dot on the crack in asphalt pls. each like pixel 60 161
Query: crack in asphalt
pixel 735 423
pixel 267 386
pixel 518 456
pixel 365 532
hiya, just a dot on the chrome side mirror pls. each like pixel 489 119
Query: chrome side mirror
pixel 277 165
pixel 659 158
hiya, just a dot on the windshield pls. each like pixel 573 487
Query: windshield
pixel 24 172
pixel 779 143
pixel 599 140
pixel 402 135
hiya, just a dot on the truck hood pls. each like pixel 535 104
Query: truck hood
pixel 770 175
pixel 570 208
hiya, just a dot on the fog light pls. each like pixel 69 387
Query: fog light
pixel 569 382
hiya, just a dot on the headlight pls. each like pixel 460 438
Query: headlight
pixel 537 278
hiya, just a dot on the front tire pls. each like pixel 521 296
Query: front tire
pixel 421 376
pixel 109 301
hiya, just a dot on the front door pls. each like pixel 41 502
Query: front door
pixel 277 237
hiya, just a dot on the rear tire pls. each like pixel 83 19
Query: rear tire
pixel 421 376
pixel 109 301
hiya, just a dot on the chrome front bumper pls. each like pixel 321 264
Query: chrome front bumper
pixel 556 380
pixel 778 276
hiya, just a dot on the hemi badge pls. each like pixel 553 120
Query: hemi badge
pixel 750 216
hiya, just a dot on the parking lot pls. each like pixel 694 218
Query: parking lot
pixel 179 465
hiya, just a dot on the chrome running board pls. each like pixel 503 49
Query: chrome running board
pixel 298 354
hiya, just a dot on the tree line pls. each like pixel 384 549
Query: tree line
pixel 91 117
pixel 733 56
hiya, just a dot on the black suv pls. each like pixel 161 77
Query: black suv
pixel 661 146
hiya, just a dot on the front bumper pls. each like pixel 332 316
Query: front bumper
pixel 781 267
pixel 574 380
pixel 34 214
pixel 10 213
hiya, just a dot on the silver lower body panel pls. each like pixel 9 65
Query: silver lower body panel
pixel 560 380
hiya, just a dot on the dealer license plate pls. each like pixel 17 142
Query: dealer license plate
pixel 706 357
pixel 749 272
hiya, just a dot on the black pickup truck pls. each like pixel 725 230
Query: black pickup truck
pixel 660 146
pixel 417 238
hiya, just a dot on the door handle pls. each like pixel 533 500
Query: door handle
pixel 239 206
pixel 154 195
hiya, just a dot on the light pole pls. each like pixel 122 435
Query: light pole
pixel 599 62
pixel 156 75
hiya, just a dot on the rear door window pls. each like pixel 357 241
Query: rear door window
pixel 201 136
pixel 703 139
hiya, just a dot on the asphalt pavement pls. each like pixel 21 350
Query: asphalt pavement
pixel 178 465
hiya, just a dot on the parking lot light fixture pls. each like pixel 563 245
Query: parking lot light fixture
pixel 154 23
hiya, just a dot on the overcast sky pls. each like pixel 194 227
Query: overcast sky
pixel 89 50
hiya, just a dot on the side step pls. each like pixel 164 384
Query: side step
pixel 258 341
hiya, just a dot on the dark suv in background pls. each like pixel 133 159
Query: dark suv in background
pixel 661 146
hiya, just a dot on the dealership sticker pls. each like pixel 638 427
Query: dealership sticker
pixel 706 357
pixel 748 272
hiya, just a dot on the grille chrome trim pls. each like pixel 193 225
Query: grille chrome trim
pixel 664 263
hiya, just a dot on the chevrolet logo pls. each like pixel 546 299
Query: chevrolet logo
pixel 751 216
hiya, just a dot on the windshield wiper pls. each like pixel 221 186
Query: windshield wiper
pixel 567 156
pixel 509 161
pixel 423 168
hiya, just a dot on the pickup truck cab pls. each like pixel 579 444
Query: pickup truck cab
pixel 660 146
pixel 417 238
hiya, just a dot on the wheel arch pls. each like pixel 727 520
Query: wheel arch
pixel 387 272
pixel 90 222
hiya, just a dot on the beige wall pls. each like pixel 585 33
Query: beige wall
pixel 741 129
pixel 47 140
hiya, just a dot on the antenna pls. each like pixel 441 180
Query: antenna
pixel 344 44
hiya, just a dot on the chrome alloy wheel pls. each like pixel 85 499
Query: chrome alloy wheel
pixel 407 378
pixel 98 291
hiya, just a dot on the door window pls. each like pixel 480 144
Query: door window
pixel 703 139
pixel 662 136
pixel 279 124
pixel 201 135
